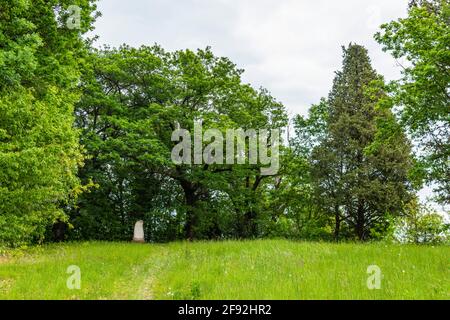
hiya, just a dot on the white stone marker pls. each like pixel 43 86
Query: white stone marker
pixel 139 232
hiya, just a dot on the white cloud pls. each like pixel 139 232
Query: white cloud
pixel 290 47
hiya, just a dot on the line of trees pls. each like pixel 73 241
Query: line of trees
pixel 85 138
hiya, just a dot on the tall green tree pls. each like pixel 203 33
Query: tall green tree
pixel 360 168
pixel 423 40
pixel 39 150
pixel 133 100
pixel 303 212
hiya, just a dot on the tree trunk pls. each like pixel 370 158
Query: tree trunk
pixel 59 231
pixel 250 224
pixel 191 202
pixel 337 226
pixel 360 222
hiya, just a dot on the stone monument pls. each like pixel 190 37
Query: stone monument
pixel 139 232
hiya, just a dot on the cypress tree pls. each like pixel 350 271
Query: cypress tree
pixel 361 167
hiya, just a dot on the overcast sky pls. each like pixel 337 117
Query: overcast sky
pixel 290 47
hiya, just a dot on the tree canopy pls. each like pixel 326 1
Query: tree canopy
pixel 39 149
pixel 94 139
pixel 423 93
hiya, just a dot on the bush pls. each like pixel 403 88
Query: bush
pixel 422 225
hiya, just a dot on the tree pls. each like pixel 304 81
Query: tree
pixel 423 39
pixel 133 100
pixel 39 150
pixel 302 208
pixel 422 225
pixel 360 167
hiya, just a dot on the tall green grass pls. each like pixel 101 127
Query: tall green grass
pixel 264 269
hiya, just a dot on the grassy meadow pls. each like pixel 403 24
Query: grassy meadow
pixel 263 269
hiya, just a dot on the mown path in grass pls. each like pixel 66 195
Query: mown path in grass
pixel 108 271
pixel 265 269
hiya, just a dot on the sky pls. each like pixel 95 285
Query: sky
pixel 290 47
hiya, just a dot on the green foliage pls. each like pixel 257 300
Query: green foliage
pixel 423 40
pixel 422 225
pixel 347 173
pixel 133 99
pixel 39 151
pixel 360 166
